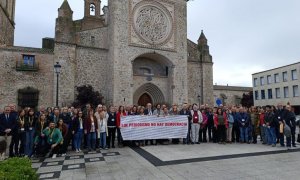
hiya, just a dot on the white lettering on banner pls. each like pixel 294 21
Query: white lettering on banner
pixel 153 127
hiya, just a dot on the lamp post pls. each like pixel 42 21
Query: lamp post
pixel 57 68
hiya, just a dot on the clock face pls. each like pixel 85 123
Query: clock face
pixel 152 23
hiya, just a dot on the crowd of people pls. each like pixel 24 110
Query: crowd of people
pixel 54 131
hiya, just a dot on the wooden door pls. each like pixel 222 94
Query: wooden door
pixel 144 100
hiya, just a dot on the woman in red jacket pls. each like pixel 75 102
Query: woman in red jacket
pixel 221 124
pixel 121 112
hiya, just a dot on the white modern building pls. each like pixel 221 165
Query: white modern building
pixel 278 85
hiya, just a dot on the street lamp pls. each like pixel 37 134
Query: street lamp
pixel 57 68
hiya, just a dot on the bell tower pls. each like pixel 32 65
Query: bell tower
pixel 7 23
pixel 92 8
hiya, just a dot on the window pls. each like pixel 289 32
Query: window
pixel 284 76
pixel 270 94
pixel 286 92
pixel 269 79
pixel 262 81
pixel 27 63
pixel 255 82
pixel 295 91
pixel 28 97
pixel 256 95
pixel 263 96
pixel 277 91
pixel 93 40
pixel 28 60
pixel 294 74
pixel 276 78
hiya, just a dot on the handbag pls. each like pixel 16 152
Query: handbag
pixel 298 138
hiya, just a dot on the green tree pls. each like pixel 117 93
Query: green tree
pixel 247 99
pixel 87 94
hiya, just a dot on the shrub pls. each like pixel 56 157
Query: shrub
pixel 17 168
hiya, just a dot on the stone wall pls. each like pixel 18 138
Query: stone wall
pixel 12 80
pixel 65 54
pixel 194 82
pixel 230 95
pixel 97 38
pixel 208 83
pixel 92 65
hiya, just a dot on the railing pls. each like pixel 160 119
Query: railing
pixel 21 66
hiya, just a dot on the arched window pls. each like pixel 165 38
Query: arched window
pixel 92 9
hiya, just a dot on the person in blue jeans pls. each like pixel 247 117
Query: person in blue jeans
pixel 77 131
pixel 90 129
pixel 270 124
pixel 30 121
pixel 243 120
pixel 103 130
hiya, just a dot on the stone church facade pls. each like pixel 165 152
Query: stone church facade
pixel 137 51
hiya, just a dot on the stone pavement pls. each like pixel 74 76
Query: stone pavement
pixel 204 161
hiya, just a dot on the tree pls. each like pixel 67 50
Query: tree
pixel 247 99
pixel 86 94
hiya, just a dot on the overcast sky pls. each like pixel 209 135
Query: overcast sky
pixel 245 36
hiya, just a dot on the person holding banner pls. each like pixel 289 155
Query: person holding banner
pixel 157 111
pixel 185 112
pixel 148 111
pixel 174 111
pixel 196 121
pixel 133 111
pixel 121 112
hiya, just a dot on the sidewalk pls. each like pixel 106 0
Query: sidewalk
pixel 204 161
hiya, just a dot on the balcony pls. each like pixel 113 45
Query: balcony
pixel 21 66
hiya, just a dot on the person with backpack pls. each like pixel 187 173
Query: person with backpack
pixel 287 133
pixel 271 125
pixel 290 120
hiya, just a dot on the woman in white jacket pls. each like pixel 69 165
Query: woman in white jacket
pixel 196 121
pixel 102 130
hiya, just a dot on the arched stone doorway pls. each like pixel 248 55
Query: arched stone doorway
pixel 148 93
pixel 144 100
pixel 152 79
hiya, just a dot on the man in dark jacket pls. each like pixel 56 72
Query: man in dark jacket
pixel 184 111
pixel 111 126
pixel 243 120
pixel 210 124
pixel 8 124
pixel 280 114
pixel 235 129
pixel 271 123
pixel 290 120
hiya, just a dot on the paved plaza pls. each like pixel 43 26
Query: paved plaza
pixel 204 161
